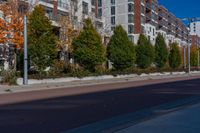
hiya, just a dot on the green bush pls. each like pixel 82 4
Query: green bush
pixel 8 77
pixel 88 50
pixel 79 73
pixel 120 50
pixel 42 40
pixel 194 56
pixel 144 52
pixel 174 56
pixel 58 67
pixel 100 70
pixel 161 52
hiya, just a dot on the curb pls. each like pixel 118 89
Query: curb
pixel 104 77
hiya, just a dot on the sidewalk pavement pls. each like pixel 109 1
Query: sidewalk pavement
pixel 182 121
pixel 5 89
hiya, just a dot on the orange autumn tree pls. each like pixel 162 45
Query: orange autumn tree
pixel 16 24
pixel 3 24
pixel 3 31
pixel 12 24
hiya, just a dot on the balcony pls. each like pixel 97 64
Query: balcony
pixel 148 17
pixel 50 3
pixel 162 22
pixel 161 15
pixel 148 7
pixel 55 19
pixel 63 5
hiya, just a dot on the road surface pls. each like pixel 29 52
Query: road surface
pixel 54 115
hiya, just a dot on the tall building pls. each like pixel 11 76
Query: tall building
pixel 77 10
pixel 195 33
pixel 195 28
pixel 144 17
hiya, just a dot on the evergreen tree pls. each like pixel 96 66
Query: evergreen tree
pixel 194 56
pixel 88 49
pixel 120 50
pixel 161 51
pixel 174 56
pixel 144 52
pixel 42 41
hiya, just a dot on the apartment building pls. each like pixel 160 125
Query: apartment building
pixel 144 17
pixel 195 28
pixel 195 33
pixel 195 40
pixel 151 19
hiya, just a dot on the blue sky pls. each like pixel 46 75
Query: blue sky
pixel 182 8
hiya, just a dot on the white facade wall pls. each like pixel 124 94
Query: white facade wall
pixel 80 14
pixel 150 32
pixel 121 14
pixel 195 28
pixel 64 6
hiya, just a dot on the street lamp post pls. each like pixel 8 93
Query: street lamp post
pixel 25 79
pixel 189 67
pixel 184 50
pixel 198 61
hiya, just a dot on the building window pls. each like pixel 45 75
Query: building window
pixel 131 38
pixel 149 38
pixel 130 7
pixel 112 2
pixel 113 10
pixel 113 20
pixel 85 8
pixel 93 2
pixel 142 19
pixel 130 18
pixel 153 32
pixel 142 9
pixel 100 3
pixel 130 29
pixel 142 1
pixel 100 12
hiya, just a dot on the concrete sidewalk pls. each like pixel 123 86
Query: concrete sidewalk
pixel 183 121
pixel 5 89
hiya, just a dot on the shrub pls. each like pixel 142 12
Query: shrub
pixel 88 50
pixel 194 56
pixel 144 52
pixel 79 72
pixel 42 40
pixel 8 77
pixel 174 56
pixel 58 67
pixel 161 52
pixel 100 70
pixel 120 50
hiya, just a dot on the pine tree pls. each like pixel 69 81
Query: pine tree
pixel 42 41
pixel 88 50
pixel 161 52
pixel 194 56
pixel 121 51
pixel 174 56
pixel 145 52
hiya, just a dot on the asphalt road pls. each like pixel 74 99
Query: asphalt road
pixel 55 115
